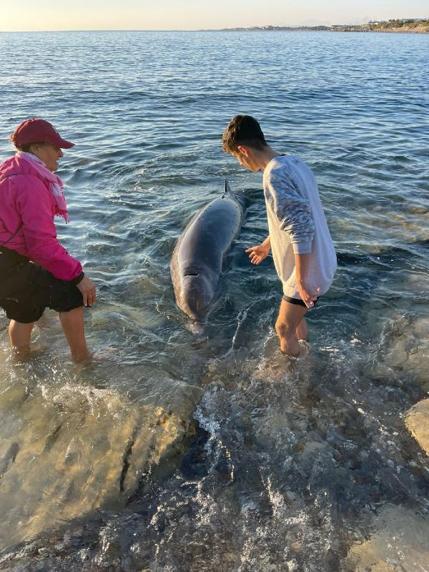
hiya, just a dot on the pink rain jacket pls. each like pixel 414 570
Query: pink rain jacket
pixel 27 208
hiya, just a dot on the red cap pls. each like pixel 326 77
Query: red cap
pixel 38 131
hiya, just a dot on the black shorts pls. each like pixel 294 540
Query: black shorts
pixel 297 301
pixel 26 289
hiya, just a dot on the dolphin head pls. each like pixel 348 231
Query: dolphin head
pixel 197 294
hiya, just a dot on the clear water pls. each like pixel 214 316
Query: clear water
pixel 281 466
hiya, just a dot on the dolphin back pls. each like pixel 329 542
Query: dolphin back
pixel 241 198
pixel 196 263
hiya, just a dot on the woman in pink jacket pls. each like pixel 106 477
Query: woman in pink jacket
pixel 36 271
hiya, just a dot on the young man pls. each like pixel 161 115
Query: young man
pixel 302 248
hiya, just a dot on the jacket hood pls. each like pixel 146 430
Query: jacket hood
pixel 16 166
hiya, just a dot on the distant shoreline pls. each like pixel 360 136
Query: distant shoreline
pixel 414 26
pixel 307 29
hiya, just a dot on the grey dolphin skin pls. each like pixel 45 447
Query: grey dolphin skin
pixel 197 259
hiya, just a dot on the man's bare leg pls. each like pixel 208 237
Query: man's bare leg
pixel 20 337
pixel 289 318
pixel 302 330
pixel 74 330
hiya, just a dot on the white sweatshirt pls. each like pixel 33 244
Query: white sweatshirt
pixel 297 224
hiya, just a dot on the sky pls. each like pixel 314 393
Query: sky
pixel 37 15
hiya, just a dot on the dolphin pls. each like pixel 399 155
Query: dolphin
pixel 196 263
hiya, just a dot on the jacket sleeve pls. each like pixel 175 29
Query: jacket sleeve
pixel 35 206
pixel 293 211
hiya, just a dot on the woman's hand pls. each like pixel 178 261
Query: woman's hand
pixel 259 253
pixel 87 287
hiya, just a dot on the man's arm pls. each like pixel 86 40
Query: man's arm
pixel 260 252
pixel 302 264
pixel 294 214
pixel 293 211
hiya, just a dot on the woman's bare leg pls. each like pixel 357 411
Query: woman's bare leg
pixel 20 337
pixel 74 330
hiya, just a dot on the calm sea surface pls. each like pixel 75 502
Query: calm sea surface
pixel 275 466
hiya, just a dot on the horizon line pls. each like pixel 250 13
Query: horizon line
pixel 230 28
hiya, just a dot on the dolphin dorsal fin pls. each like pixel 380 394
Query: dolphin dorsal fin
pixel 227 190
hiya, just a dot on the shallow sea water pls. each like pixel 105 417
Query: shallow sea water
pixel 175 452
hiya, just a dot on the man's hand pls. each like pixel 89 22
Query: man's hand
pixel 87 287
pixel 307 296
pixel 259 253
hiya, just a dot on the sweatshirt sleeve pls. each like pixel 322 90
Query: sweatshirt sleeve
pixel 34 204
pixel 293 211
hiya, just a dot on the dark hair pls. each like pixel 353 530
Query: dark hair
pixel 243 130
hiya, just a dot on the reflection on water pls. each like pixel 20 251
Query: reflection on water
pixel 176 452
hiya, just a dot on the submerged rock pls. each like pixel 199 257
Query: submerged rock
pixel 417 422
pixel 408 349
pixel 67 451
pixel 399 543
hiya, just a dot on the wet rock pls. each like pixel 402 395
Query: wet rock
pixel 417 422
pixel 399 544
pixel 66 451
pixel 401 335
pixel 406 343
